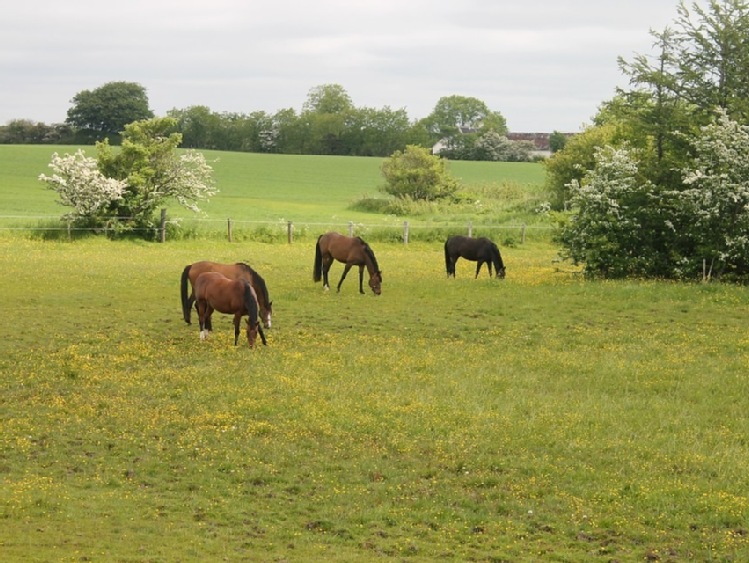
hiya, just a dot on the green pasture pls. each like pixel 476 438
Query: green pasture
pixel 536 418
pixel 261 193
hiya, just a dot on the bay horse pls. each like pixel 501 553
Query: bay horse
pixel 216 292
pixel 480 250
pixel 238 271
pixel 351 251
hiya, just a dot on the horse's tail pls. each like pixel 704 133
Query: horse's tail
pixel 449 266
pixel 250 303
pixel 183 293
pixel 317 269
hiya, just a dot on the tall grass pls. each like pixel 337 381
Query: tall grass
pixel 540 417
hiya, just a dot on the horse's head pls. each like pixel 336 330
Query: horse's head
pixel 501 273
pixel 266 313
pixel 375 282
pixel 252 330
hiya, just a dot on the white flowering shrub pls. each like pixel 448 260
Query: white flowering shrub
pixel 716 196
pixel 123 189
pixel 615 229
pixel 80 185
pixel 624 225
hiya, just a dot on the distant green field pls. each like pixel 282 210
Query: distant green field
pixel 263 188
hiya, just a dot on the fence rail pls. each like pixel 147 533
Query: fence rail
pixel 405 228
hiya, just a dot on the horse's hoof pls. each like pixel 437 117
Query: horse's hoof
pixel 203 335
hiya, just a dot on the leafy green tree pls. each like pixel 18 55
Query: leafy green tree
pixel 324 118
pixel 415 173
pixel 199 126
pixel 557 141
pixel 103 112
pixel 154 172
pixel 572 163
pixel 457 121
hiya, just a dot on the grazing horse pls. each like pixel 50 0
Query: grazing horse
pixel 480 250
pixel 351 251
pixel 214 291
pixel 238 271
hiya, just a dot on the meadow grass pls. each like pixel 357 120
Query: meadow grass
pixel 261 193
pixel 540 417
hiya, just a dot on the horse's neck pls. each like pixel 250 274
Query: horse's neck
pixel 369 263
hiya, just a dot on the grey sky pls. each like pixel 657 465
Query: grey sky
pixel 545 65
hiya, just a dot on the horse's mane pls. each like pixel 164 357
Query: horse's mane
pixel 497 256
pixel 258 277
pixel 251 303
pixel 371 255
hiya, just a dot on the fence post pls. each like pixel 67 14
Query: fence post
pixel 163 224
pixel 470 228
pixel 229 229
pixel 522 234
pixel 70 235
pixel 405 232
pixel 290 231
pixel 350 228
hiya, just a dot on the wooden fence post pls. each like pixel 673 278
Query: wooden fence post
pixel 163 224
pixel 229 229
pixel 350 228
pixel 522 234
pixel 405 232
pixel 290 231
pixel 470 228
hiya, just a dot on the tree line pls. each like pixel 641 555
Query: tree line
pixel 328 124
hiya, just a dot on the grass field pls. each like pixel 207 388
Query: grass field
pixel 537 418
pixel 266 191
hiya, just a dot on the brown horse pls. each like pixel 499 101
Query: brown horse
pixel 238 271
pixel 351 251
pixel 480 250
pixel 214 291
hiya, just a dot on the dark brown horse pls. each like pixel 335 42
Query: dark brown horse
pixel 351 251
pixel 214 291
pixel 480 250
pixel 238 271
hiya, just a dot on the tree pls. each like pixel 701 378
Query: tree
pixel 80 184
pixel 572 163
pixel 557 140
pixel 611 230
pixel 154 172
pixel 104 112
pixel 715 202
pixel 417 174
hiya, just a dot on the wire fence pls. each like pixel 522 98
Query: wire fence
pixel 240 229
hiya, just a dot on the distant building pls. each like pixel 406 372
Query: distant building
pixel 539 140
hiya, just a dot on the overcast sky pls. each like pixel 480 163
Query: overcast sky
pixel 545 65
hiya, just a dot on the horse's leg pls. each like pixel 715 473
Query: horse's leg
pixel 361 279
pixel 262 335
pixel 201 318
pixel 326 264
pixel 479 263
pixel 346 268
pixel 208 317
pixel 237 322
